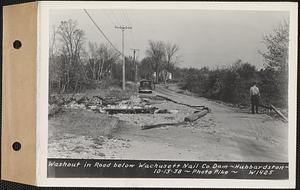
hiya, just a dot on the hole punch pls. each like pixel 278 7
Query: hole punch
pixel 17 44
pixel 16 146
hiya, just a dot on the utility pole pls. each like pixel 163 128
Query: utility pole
pixel 136 68
pixel 123 28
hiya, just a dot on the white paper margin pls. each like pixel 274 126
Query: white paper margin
pixel 42 96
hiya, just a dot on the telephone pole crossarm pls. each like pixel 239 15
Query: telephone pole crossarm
pixel 123 27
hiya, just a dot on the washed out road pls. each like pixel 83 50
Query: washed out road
pixel 224 134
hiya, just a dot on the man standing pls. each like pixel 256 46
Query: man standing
pixel 254 93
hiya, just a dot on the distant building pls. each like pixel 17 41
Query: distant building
pixel 164 75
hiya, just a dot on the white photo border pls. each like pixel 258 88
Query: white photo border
pixel 42 96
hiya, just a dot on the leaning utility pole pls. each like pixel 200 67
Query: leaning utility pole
pixel 123 28
pixel 136 68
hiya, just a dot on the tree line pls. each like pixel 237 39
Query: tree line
pixel 161 59
pixel 232 83
pixel 76 65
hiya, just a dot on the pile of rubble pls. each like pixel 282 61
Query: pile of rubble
pixel 58 102
pixel 85 103
pixel 98 104
pixel 134 102
pixel 134 105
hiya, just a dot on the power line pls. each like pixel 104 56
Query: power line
pixel 113 17
pixel 117 19
pixel 127 17
pixel 123 17
pixel 125 21
pixel 102 32
pixel 131 32
pixel 110 18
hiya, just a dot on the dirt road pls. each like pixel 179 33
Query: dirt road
pixel 225 134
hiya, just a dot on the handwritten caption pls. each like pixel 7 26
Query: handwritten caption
pixel 110 168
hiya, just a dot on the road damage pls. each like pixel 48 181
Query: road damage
pixel 91 132
pixel 137 104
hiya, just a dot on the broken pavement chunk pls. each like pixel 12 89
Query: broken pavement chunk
pixel 173 111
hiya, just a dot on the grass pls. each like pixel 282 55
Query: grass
pixel 81 123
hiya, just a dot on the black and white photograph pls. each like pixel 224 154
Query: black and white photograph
pixel 192 93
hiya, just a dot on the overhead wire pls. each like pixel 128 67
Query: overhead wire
pixel 116 18
pixel 121 22
pixel 123 17
pixel 126 16
pixel 132 32
pixel 99 29
pixel 124 23
pixel 110 18
pixel 128 42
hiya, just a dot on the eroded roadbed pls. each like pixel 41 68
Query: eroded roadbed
pixel 222 134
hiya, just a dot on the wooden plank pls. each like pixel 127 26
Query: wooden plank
pixel 192 106
pixel 130 111
pixel 195 116
pixel 161 125
pixel 279 113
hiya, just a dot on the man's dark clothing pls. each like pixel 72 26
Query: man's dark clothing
pixel 254 103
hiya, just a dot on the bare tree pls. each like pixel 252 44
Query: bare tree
pixel 171 59
pixel 145 68
pixel 101 58
pixel 156 52
pixel 71 45
pixel 171 51
pixel 93 60
pixel 54 68
pixel 163 58
pixel 108 57
pixel 53 40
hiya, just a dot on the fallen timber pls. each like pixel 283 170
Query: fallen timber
pixel 195 116
pixel 279 113
pixel 191 118
pixel 271 107
pixel 162 125
pixel 192 106
pixel 112 111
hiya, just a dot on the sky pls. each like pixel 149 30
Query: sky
pixel 211 38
